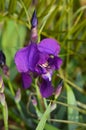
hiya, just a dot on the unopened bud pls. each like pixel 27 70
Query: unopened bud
pixel 6 70
pixel 34 20
pixel 34 101
pixel 2 59
pixel 58 90
pixel 53 106
pixel 1 85
pixel 34 35
pixel 18 95
pixel 2 98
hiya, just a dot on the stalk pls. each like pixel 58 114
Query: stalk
pixel 5 115
pixel 69 23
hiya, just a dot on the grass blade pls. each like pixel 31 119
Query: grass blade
pixel 44 118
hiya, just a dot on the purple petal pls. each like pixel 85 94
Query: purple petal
pixel 21 59
pixel 43 57
pixel 56 61
pixel 33 56
pixel 40 69
pixel 49 46
pixel 46 88
pixel 26 58
pixel 48 74
pixel 26 80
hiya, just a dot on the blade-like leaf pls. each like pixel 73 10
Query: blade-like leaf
pixel 44 118
pixel 73 114
pixel 12 6
pixel 50 127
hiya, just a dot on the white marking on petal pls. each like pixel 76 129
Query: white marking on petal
pixel 47 76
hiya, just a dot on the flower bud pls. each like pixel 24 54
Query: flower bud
pixel 53 106
pixel 2 59
pixel 58 90
pixel 18 95
pixel 34 101
pixel 6 70
pixel 34 35
pixel 34 20
pixel 2 98
pixel 1 85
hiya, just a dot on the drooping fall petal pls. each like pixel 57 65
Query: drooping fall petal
pixel 21 59
pixel 26 80
pixel 46 88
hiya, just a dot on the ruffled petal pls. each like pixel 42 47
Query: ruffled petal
pixel 49 46
pixel 21 60
pixel 46 88
pixel 26 80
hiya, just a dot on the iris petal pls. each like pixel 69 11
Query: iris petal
pixel 21 59
pixel 46 88
pixel 33 56
pixel 49 46
pixel 26 58
pixel 56 61
pixel 26 80
pixel 48 75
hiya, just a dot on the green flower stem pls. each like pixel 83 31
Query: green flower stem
pixel 39 96
pixel 5 115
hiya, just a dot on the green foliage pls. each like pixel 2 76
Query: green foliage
pixel 44 118
pixel 12 38
pixel 73 115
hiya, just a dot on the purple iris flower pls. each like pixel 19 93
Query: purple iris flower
pixel 40 59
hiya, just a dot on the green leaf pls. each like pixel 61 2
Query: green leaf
pixel 12 39
pixel 44 118
pixel 2 5
pixel 73 115
pixel 50 127
pixel 12 6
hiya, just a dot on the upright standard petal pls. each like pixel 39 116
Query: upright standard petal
pixel 46 88
pixel 33 56
pixel 21 59
pixel 26 80
pixel 49 46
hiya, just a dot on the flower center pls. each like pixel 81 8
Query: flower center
pixel 45 65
